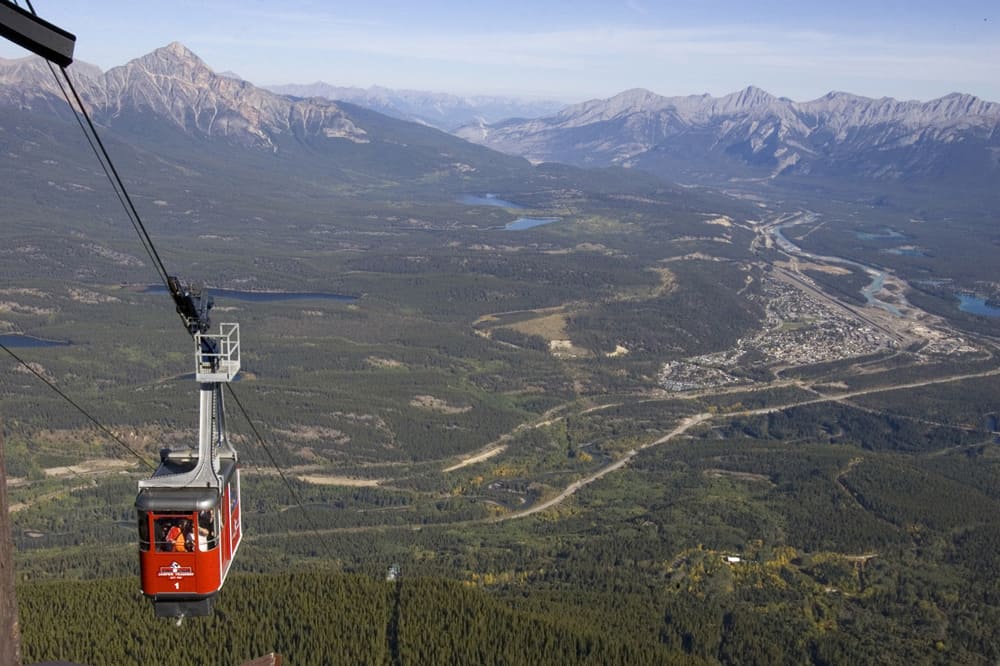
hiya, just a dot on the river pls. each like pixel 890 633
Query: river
pixel 878 277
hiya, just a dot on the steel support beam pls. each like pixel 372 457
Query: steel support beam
pixel 37 35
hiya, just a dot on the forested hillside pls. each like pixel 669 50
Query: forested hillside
pixel 320 619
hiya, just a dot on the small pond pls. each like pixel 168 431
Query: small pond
pixel 522 223
pixel 907 252
pixel 887 234
pixel 14 340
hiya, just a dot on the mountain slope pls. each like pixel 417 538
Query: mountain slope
pixel 751 133
pixel 169 98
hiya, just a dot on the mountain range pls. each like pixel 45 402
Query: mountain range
pixel 170 95
pixel 439 110
pixel 753 134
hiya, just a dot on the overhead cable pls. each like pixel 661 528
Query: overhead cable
pixel 274 462
pixel 80 409
pixel 117 184
pixel 94 139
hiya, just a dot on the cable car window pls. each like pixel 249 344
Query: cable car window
pixel 143 531
pixel 207 536
pixel 174 534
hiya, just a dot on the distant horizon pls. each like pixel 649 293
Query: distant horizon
pixel 268 86
pixel 660 94
pixel 557 50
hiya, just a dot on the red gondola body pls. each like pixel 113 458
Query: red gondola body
pixel 187 541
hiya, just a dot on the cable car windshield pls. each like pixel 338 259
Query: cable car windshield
pixel 179 532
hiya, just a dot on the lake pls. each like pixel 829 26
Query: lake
pixel 907 252
pixel 977 306
pixel 264 296
pixel 884 235
pixel 13 340
pixel 522 223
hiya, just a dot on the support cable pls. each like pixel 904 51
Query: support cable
pixel 116 181
pixel 281 473
pixel 94 139
pixel 117 184
pixel 80 409
pixel 245 459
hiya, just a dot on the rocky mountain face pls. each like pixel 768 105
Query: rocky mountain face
pixel 439 110
pixel 174 85
pixel 751 133
pixel 170 96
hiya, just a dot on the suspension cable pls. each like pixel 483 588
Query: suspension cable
pixel 147 242
pixel 109 172
pixel 80 409
pixel 281 473
pixel 117 184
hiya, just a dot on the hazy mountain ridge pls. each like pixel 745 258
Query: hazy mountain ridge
pixel 440 110
pixel 753 131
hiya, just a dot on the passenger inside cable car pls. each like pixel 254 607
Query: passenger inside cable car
pixel 175 533
pixel 206 531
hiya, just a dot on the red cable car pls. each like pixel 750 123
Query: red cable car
pixel 189 510
pixel 187 536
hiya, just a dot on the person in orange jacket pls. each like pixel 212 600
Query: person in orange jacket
pixel 175 538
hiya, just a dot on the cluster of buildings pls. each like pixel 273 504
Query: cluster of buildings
pixel 798 330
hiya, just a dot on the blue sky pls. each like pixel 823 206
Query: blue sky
pixel 568 50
